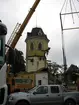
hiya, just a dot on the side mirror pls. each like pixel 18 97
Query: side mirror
pixel 3 29
pixel 34 93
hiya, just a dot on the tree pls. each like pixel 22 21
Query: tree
pixel 55 69
pixel 19 62
pixel 72 72
pixel 10 56
pixel 72 68
pixel 16 59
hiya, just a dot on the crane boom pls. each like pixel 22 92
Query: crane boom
pixel 25 22
pixel 3 86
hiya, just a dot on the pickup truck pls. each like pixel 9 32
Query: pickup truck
pixel 44 95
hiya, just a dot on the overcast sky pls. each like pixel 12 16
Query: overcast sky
pixel 47 17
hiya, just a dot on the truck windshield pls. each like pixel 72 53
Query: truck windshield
pixel 32 89
pixel 2 92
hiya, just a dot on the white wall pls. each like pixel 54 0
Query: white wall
pixel 36 65
pixel 43 77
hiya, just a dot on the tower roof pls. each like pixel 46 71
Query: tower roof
pixel 36 32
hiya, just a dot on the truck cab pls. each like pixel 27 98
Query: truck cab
pixel 3 66
pixel 3 85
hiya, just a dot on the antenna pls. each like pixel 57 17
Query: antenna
pixel 36 18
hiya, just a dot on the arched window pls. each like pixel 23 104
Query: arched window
pixel 39 46
pixel 32 46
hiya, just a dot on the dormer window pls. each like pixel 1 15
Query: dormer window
pixel 31 46
pixel 39 46
pixel 40 32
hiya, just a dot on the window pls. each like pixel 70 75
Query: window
pixel 37 64
pixel 32 61
pixel 40 58
pixel 39 46
pixel 39 82
pixel 54 89
pixel 40 32
pixel 2 93
pixel 1 47
pixel 42 90
pixel 13 82
pixel 32 46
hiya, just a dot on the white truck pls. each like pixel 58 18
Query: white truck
pixel 45 95
pixel 3 85
pixel 3 66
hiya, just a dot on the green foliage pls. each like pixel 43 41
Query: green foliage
pixel 16 59
pixel 10 56
pixel 19 63
pixel 72 68
pixel 55 70
pixel 73 72
pixel 74 77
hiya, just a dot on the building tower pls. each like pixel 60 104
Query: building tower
pixel 36 49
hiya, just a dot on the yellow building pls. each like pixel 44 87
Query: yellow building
pixel 36 49
pixel 21 81
pixel 24 81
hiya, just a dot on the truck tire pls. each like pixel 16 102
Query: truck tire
pixel 70 102
pixel 22 103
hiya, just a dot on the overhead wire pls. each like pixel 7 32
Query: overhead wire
pixel 71 11
pixel 65 11
pixel 71 2
pixel 75 8
pixel 63 6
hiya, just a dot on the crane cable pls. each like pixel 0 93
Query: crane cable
pixel 75 7
pixel 65 4
pixel 71 11
pixel 71 3
pixel 65 12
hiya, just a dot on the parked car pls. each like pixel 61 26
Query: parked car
pixel 44 95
